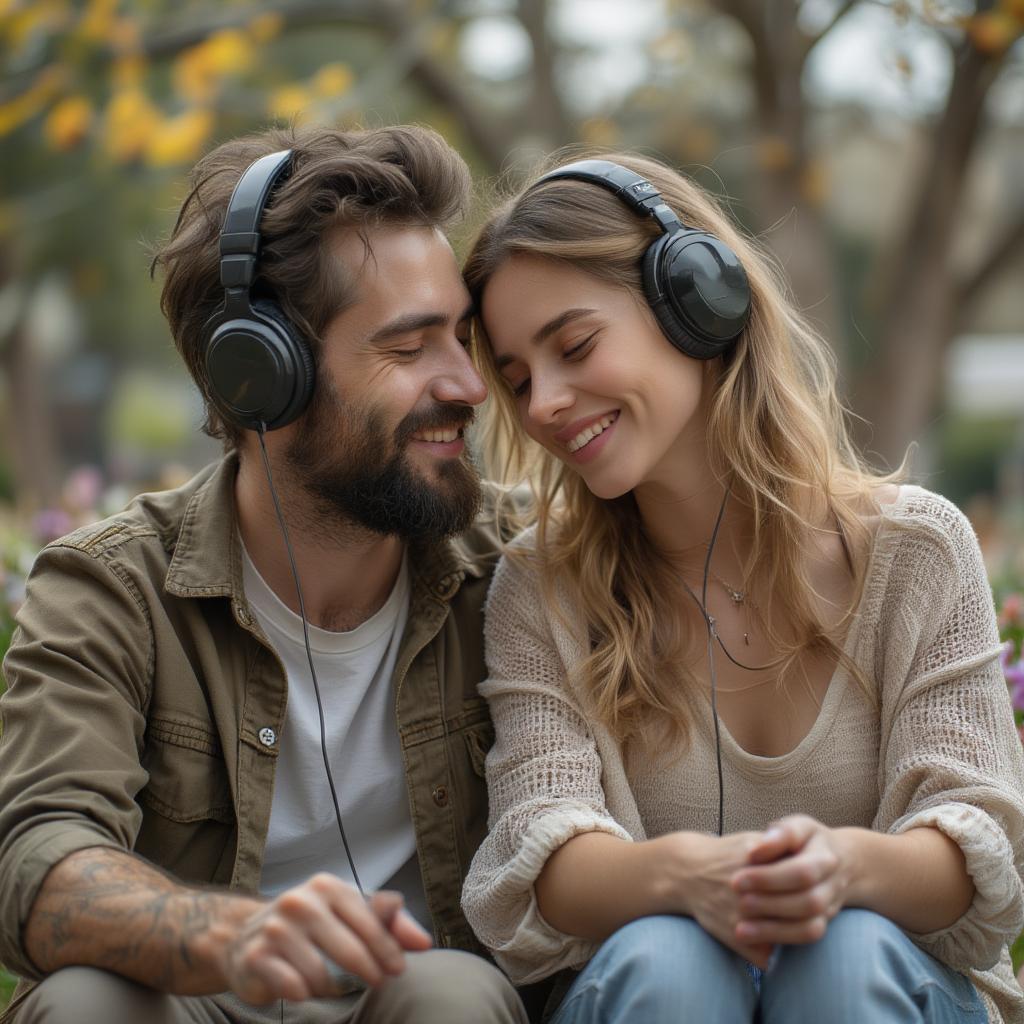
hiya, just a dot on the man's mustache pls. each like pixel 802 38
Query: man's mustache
pixel 440 417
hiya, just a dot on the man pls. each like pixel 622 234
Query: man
pixel 211 735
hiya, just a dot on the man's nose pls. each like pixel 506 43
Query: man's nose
pixel 460 381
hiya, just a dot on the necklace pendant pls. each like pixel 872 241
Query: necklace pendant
pixel 738 597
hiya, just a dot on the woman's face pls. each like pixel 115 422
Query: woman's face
pixel 594 379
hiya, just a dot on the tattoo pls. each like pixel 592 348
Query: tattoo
pixel 108 908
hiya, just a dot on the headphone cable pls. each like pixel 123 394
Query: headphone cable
pixel 260 430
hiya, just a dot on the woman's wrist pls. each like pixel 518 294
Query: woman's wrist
pixel 854 858
pixel 674 863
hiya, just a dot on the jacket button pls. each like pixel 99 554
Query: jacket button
pixel 440 795
pixel 267 736
pixel 447 587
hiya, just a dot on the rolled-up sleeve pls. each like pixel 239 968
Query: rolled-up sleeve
pixel 952 757
pixel 77 674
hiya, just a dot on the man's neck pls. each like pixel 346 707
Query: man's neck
pixel 346 573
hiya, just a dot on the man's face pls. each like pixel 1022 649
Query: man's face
pixel 381 444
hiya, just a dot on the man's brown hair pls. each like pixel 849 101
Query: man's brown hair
pixel 394 175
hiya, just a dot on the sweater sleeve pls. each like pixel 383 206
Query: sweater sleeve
pixel 951 756
pixel 543 779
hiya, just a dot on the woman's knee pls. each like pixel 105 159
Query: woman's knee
pixel 863 961
pixel 662 939
pixel 662 968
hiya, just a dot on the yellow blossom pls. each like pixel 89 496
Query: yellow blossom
pixel 333 80
pixel 69 122
pixel 200 70
pixel 229 51
pixel 97 20
pixel 994 32
pixel 179 139
pixel 1015 8
pixel 28 104
pixel 130 123
pixel 288 102
pixel 22 24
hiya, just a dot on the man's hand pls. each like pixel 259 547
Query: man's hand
pixel 795 882
pixel 283 950
pixel 102 907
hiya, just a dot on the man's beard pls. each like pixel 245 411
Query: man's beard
pixel 358 474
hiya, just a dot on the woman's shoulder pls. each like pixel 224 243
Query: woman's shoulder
pixel 911 509
pixel 518 574
pixel 922 541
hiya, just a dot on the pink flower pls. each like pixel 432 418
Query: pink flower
pixel 82 489
pixel 1012 611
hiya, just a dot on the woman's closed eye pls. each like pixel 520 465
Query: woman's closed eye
pixel 580 348
pixel 574 352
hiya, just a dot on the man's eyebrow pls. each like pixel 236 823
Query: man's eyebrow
pixel 410 322
pixel 554 324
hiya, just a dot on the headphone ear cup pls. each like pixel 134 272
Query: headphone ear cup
pixel 259 369
pixel 698 290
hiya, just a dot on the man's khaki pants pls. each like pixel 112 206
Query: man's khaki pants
pixel 437 987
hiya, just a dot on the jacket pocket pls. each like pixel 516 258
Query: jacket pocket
pixel 187 776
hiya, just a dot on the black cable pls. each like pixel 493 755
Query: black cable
pixel 711 662
pixel 309 655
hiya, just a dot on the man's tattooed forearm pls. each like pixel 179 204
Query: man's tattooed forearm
pixel 110 909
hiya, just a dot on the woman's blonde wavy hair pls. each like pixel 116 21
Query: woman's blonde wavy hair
pixel 776 430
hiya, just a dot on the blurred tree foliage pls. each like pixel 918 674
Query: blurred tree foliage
pixel 105 103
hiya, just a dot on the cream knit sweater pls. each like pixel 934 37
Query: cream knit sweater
pixel 938 747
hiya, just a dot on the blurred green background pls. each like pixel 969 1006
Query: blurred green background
pixel 875 146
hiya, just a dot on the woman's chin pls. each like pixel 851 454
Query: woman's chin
pixel 607 490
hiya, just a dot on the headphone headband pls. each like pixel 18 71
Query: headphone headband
pixel 630 187
pixel 693 282
pixel 240 235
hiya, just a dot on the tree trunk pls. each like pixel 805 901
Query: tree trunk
pixel 899 392
pixel 30 439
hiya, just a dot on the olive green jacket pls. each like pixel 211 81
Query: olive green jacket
pixel 144 706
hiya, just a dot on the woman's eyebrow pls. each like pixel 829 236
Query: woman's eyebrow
pixel 556 323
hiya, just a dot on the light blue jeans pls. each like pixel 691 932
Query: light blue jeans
pixel 668 969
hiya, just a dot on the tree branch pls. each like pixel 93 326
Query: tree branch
pixel 812 40
pixel 970 287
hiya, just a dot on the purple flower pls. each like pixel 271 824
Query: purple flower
pixel 50 524
pixel 1014 673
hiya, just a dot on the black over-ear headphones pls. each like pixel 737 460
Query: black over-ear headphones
pixel 258 367
pixel 694 282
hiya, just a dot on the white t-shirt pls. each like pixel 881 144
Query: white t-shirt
pixel 355 671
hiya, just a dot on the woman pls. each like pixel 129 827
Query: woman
pixel 755 757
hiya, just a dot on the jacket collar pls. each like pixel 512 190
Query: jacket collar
pixel 207 560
